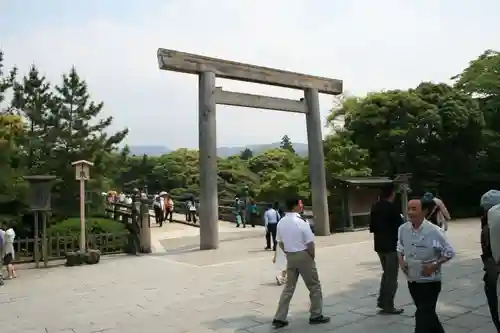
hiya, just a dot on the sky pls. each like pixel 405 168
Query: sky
pixel 370 45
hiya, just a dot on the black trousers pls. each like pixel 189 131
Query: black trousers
pixel 425 296
pixel 271 233
pixel 158 215
pixel 191 216
pixel 490 289
pixel 389 280
pixel 169 215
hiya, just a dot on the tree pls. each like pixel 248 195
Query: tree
pixel 343 158
pixel 481 80
pixel 246 154
pixel 391 126
pixel 33 100
pixel 6 82
pixel 77 132
pixel 12 131
pixel 461 125
pixel 287 144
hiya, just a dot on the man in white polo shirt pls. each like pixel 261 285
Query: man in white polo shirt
pixel 296 239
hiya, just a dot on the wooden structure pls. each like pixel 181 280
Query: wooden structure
pixel 358 194
pixel 207 70
pixel 39 201
pixel 82 173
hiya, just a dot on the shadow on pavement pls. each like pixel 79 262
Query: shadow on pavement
pixel 462 306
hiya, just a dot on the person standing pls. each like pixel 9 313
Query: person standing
pixel 191 210
pixel 8 252
pixel 169 203
pixel 385 220
pixel 296 239
pixel 422 248
pixel 490 203
pixel 237 211
pixel 271 219
pixel 158 209
pixel 2 235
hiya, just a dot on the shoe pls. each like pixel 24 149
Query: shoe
pixel 391 311
pixel 279 323
pixel 267 248
pixel 319 320
pixel 278 281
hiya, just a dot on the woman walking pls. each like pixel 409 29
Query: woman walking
pixel 8 252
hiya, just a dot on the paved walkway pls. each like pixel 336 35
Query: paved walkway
pixel 232 290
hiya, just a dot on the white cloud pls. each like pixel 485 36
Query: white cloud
pixel 371 45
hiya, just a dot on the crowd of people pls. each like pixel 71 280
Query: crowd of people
pixel 413 242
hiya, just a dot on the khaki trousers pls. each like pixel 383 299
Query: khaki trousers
pixel 300 263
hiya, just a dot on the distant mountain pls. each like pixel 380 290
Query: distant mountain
pixel 300 148
pixel 149 150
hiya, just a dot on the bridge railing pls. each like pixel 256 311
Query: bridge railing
pixel 121 211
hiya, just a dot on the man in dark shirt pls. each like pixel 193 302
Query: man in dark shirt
pixel 385 220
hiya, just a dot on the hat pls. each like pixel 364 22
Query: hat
pixel 490 199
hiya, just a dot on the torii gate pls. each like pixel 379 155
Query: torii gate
pixel 207 70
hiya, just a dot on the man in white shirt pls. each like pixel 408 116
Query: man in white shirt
pixel 296 239
pixel 271 219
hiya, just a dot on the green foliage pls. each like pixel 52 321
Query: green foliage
pixel 71 227
pixel 246 154
pixel 286 143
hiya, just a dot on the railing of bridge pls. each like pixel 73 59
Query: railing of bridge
pixel 121 211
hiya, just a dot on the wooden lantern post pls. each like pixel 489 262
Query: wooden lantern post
pixel 82 173
pixel 39 200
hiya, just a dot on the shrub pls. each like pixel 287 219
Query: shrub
pixel 94 225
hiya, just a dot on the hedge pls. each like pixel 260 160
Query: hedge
pixel 94 225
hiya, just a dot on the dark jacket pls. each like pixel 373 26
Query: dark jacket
pixel 485 240
pixel 385 220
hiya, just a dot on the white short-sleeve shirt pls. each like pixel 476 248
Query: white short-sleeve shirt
pixel 294 233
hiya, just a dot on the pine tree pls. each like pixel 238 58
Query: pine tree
pixel 286 144
pixel 6 82
pixel 78 133
pixel 246 154
pixel 33 100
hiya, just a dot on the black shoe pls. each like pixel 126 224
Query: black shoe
pixel 267 248
pixel 391 311
pixel 237 226
pixel 279 323
pixel 244 226
pixel 319 320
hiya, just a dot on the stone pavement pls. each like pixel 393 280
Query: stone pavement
pixel 232 290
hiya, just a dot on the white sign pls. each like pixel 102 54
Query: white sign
pixel 82 172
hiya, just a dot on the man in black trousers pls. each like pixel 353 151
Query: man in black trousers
pixel 385 220
pixel 271 219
